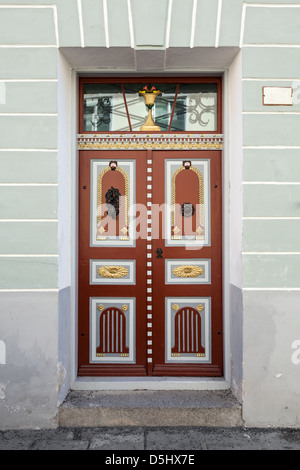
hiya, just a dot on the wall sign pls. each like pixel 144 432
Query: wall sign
pixel 277 96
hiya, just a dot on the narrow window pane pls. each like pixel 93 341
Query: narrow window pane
pixel 162 111
pixel 104 108
pixel 136 105
pixel 196 108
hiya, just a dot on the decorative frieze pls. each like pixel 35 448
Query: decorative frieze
pixel 150 141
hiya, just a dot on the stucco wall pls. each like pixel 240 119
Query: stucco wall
pixel 271 280
pixel 40 42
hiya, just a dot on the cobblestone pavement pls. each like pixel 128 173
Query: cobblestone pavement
pixel 151 439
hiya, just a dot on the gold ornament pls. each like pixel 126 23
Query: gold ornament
pixel 188 271
pixel 100 307
pixel 175 307
pixel 149 101
pixel 104 145
pixel 116 272
pixel 200 308
pixel 201 193
pixel 99 195
pixel 125 308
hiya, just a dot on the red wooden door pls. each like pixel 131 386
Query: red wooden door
pixel 187 264
pixel 111 264
pixel 150 263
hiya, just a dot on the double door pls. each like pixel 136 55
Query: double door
pixel 150 263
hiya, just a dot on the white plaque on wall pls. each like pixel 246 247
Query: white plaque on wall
pixel 277 96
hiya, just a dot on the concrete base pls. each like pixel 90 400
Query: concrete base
pixel 150 408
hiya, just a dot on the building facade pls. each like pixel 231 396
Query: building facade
pixel 244 58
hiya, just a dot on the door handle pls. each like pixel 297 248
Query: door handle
pixel 159 253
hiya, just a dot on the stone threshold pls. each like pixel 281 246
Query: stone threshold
pixel 149 383
pixel 114 408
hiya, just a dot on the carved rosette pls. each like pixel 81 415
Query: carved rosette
pixel 115 272
pixel 188 271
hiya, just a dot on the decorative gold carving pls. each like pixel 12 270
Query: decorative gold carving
pixel 125 308
pixel 116 272
pixel 100 307
pixel 149 145
pixel 176 231
pixel 173 192
pixel 99 199
pixel 188 271
pixel 175 307
pixel 200 308
pixel 201 193
pixel 200 235
pixel 156 141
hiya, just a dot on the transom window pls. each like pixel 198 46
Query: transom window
pixel 117 106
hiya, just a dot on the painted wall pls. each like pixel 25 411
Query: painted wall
pixel 271 143
pixel 256 44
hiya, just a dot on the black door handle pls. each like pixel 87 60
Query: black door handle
pixel 159 253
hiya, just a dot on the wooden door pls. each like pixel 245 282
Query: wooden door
pixel 150 263
pixel 187 264
pixel 111 264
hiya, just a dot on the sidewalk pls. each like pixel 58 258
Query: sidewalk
pixel 151 439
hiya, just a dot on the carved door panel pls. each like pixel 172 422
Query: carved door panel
pixel 112 264
pixel 187 263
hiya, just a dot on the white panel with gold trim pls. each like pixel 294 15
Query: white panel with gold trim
pixel 112 272
pixel 188 330
pixel 188 271
pixel 112 330
pixel 187 215
pixel 112 195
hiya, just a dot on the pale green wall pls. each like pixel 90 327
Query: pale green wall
pixel 28 216
pixel 271 57
pixel 268 33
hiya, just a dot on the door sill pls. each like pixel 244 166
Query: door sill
pixel 149 383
